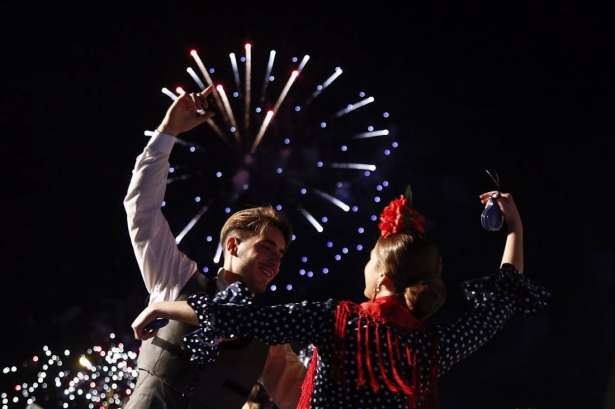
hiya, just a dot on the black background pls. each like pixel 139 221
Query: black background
pixel 525 88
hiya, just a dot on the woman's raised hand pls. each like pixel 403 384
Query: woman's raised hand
pixel 507 207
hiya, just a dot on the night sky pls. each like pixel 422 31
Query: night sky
pixel 524 88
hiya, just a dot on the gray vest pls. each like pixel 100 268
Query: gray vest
pixel 222 384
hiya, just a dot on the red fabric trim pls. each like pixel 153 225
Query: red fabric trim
pixel 308 383
pixel 391 310
pixel 389 384
pixel 393 357
pixel 360 374
pixel 337 363
pixel 368 356
pixel 388 310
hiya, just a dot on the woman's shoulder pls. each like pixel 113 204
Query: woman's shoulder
pixel 326 304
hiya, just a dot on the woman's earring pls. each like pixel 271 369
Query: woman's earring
pixel 377 289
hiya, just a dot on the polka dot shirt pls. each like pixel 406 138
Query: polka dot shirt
pixel 494 299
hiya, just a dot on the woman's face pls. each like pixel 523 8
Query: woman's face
pixel 372 274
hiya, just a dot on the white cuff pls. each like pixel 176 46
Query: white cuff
pixel 161 142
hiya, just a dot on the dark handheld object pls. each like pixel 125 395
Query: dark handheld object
pixel 158 323
pixel 491 218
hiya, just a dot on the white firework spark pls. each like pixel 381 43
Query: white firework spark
pixel 301 157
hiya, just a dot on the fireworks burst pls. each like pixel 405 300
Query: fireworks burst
pixel 292 134
pixel 288 131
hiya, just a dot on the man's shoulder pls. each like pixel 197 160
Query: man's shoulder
pixel 199 283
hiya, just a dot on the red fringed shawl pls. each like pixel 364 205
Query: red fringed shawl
pixel 387 312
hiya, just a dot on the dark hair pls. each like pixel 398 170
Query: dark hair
pixel 412 262
pixel 256 220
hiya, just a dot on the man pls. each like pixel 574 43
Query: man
pixel 253 241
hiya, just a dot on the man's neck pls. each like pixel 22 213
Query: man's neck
pixel 227 277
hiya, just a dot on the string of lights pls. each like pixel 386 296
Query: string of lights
pixel 102 376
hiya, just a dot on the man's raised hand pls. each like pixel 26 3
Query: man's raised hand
pixel 186 112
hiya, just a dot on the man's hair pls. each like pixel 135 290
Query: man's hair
pixel 413 263
pixel 256 220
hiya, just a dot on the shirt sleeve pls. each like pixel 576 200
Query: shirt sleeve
pixel 164 268
pixel 232 313
pixel 283 376
pixel 279 324
pixel 495 299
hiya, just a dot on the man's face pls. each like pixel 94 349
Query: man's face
pixel 259 259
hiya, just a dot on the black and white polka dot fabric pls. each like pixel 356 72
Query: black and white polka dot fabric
pixel 494 299
pixel 203 343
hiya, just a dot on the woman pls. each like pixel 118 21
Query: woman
pixel 377 354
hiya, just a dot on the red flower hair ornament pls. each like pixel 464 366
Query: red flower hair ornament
pixel 398 217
